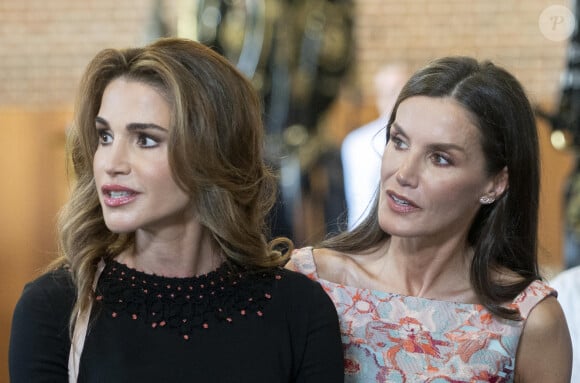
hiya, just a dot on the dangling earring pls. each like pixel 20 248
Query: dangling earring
pixel 486 200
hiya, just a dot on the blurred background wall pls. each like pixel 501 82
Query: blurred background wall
pixel 45 45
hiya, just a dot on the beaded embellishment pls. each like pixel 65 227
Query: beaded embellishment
pixel 220 297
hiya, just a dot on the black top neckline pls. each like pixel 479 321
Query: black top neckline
pixel 221 297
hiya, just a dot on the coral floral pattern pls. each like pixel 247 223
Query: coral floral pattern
pixel 403 339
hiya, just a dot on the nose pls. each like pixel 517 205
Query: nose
pixel 407 173
pixel 117 159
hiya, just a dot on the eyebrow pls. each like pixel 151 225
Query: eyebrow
pixel 134 126
pixel 437 146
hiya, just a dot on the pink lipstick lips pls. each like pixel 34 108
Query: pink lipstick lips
pixel 400 204
pixel 117 195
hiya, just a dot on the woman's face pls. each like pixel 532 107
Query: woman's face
pixel 433 171
pixel 132 174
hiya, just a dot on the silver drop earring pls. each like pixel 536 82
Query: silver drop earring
pixel 486 200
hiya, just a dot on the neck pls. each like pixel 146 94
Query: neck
pixel 437 272
pixel 184 254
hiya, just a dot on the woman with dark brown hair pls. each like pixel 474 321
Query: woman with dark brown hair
pixel 440 282
pixel 166 274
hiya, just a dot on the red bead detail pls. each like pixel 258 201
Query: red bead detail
pixel 205 325
pixel 134 316
pixel 168 286
pixel 268 296
pixel 230 320
pixel 243 312
pixel 260 313
pixel 278 277
pixel 99 298
pixel 114 314
pixel 145 291
pixel 162 323
pixel 186 337
pixel 154 324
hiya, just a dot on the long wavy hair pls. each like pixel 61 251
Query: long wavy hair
pixel 504 233
pixel 215 153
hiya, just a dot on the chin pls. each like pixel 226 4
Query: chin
pixel 396 229
pixel 119 228
pixel 120 231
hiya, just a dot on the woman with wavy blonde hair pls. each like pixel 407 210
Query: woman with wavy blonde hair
pixel 166 273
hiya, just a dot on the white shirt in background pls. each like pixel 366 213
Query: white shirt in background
pixel 567 283
pixel 361 153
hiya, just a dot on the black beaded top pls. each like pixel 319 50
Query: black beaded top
pixel 199 303
pixel 228 326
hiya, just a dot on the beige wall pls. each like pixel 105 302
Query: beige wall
pixel 44 46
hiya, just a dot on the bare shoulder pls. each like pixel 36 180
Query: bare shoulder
pixel 545 350
pixel 331 264
pixel 328 262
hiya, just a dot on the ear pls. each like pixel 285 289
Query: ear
pixel 497 187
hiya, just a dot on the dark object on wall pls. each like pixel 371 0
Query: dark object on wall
pixel 297 53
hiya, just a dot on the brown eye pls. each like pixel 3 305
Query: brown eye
pixel 146 141
pixel 441 160
pixel 104 137
pixel 398 143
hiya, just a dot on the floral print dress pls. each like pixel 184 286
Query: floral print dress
pixel 394 338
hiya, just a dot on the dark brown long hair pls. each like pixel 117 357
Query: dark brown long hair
pixel 503 234
pixel 215 153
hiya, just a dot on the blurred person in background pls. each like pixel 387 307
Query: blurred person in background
pixel 567 283
pixel 362 148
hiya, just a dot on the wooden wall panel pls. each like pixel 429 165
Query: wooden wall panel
pixel 556 166
pixel 33 187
